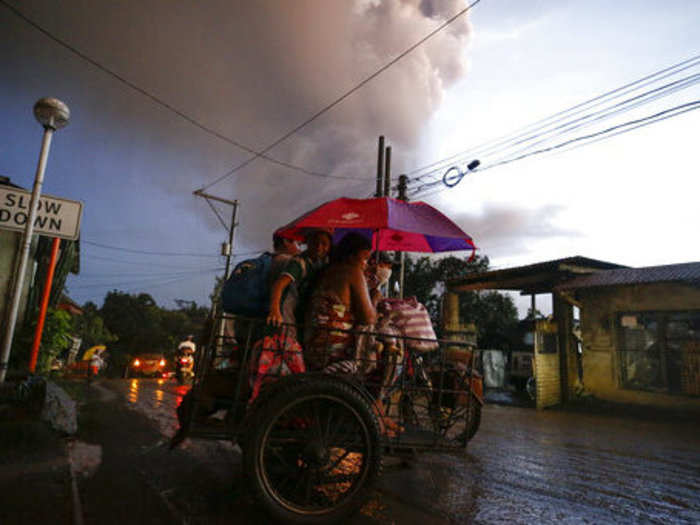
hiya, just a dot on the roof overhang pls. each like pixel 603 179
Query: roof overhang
pixel 531 279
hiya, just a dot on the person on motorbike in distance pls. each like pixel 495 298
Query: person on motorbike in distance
pixel 288 293
pixel 187 346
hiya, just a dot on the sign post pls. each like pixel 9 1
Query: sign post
pixel 52 114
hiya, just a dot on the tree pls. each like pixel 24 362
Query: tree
pixel 140 325
pixel 90 327
pixel 425 277
pixel 55 338
pixel 493 313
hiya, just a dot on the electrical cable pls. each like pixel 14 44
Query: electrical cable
pixel 599 135
pixel 139 282
pixel 218 215
pixel 145 252
pixel 159 102
pixel 603 114
pixel 342 97
pixel 556 117
pixel 88 276
pixel 139 263
pixel 585 121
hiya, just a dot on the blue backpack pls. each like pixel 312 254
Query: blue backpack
pixel 247 290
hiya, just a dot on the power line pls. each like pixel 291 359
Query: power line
pixel 160 102
pixel 599 135
pixel 569 127
pixel 342 97
pixel 139 263
pixel 581 122
pixel 503 141
pixel 620 107
pixel 140 282
pixel 88 276
pixel 638 123
pixel 145 252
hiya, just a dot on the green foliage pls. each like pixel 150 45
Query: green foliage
pixel 141 326
pixel 493 313
pixel 55 338
pixel 425 277
pixel 90 327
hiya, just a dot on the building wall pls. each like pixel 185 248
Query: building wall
pixel 10 243
pixel 547 369
pixel 599 312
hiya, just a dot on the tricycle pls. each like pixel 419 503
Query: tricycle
pixel 313 440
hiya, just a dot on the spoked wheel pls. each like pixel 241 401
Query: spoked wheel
pixel 314 453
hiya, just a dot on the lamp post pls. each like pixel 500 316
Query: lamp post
pixel 52 114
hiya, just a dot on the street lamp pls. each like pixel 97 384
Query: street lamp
pixel 52 114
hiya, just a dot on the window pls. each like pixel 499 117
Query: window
pixel 660 351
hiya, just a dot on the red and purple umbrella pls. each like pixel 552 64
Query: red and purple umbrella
pixel 390 223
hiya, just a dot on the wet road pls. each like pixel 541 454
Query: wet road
pixel 523 466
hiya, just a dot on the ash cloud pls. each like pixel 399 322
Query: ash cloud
pixel 249 70
pixel 501 230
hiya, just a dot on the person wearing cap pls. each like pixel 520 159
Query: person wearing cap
pixel 288 291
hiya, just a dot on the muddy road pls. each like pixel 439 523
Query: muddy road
pixel 523 466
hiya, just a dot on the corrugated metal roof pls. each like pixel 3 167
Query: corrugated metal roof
pixel 686 272
pixel 543 275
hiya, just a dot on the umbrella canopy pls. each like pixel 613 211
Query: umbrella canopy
pixel 390 223
pixel 97 349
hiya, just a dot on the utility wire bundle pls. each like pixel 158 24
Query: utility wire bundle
pixel 565 129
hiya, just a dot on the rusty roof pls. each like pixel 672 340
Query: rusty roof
pixel 685 272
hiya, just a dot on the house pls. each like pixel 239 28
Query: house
pixel 640 329
pixel 641 334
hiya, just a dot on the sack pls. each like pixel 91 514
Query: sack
pixel 247 290
pixel 412 320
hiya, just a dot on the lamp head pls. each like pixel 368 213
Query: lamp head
pixel 51 113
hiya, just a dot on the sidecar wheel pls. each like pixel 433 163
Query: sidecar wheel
pixel 314 452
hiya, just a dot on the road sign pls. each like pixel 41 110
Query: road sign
pixel 56 217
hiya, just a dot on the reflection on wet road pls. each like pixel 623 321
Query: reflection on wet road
pixel 525 466
pixel 158 399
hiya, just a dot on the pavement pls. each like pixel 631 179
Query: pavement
pixel 35 472
pixel 48 476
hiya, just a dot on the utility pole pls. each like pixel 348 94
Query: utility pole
pixel 227 247
pixel 52 114
pixel 387 173
pixel 403 186
pixel 380 167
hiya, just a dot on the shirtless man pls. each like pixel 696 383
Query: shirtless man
pixel 340 300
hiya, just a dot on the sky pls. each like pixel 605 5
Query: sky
pixel 161 92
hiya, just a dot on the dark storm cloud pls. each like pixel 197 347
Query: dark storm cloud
pixel 249 70
pixel 254 70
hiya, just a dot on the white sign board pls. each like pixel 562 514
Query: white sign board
pixel 55 217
